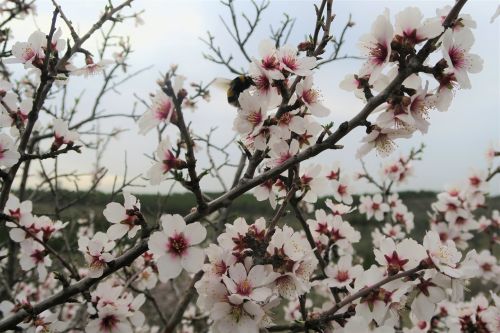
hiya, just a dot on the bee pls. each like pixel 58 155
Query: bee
pixel 234 87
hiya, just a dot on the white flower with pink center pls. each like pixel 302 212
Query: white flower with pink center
pixel 490 270
pixel 403 256
pixel 162 109
pixel 166 161
pixel 343 273
pixel 430 291
pixel 352 82
pixel 92 68
pixel 62 134
pixel 455 47
pixel 312 183
pixel 252 114
pixel 444 255
pixel 376 46
pixel 292 63
pixel 311 97
pixel 174 248
pixel 32 254
pixel 373 207
pixel 111 319
pixel 235 316
pixel 342 189
pixel 270 63
pixel 32 51
pixel 8 151
pixel 21 211
pixel 381 139
pixel 97 253
pixel 220 259
pixel 265 191
pixel 411 29
pixel 282 152
pixel 264 84
pixel 249 285
pixel 338 209
pixel 124 218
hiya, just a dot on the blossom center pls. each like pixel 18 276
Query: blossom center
pixel 177 245
pixel 108 323
pixel 244 288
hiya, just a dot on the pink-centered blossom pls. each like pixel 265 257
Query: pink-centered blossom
pixel 174 248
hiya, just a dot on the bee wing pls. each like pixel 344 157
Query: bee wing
pixel 222 83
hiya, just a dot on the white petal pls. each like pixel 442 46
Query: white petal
pixel 169 267
pixel 193 260
pixel 195 233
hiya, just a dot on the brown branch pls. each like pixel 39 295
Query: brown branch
pixel 176 317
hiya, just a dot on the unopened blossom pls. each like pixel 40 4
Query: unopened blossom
pixel 124 217
pixel 310 97
pixel 291 62
pixel 460 62
pixel 342 273
pixel 402 256
pixel 382 139
pixel 410 28
pixel 97 252
pixel 376 46
pixel 342 189
pixel 444 255
pixel 373 207
pixel 174 248
pixel 33 255
pixel 8 151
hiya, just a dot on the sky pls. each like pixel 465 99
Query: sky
pixel 456 142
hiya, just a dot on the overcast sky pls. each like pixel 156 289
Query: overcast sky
pixel 457 140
